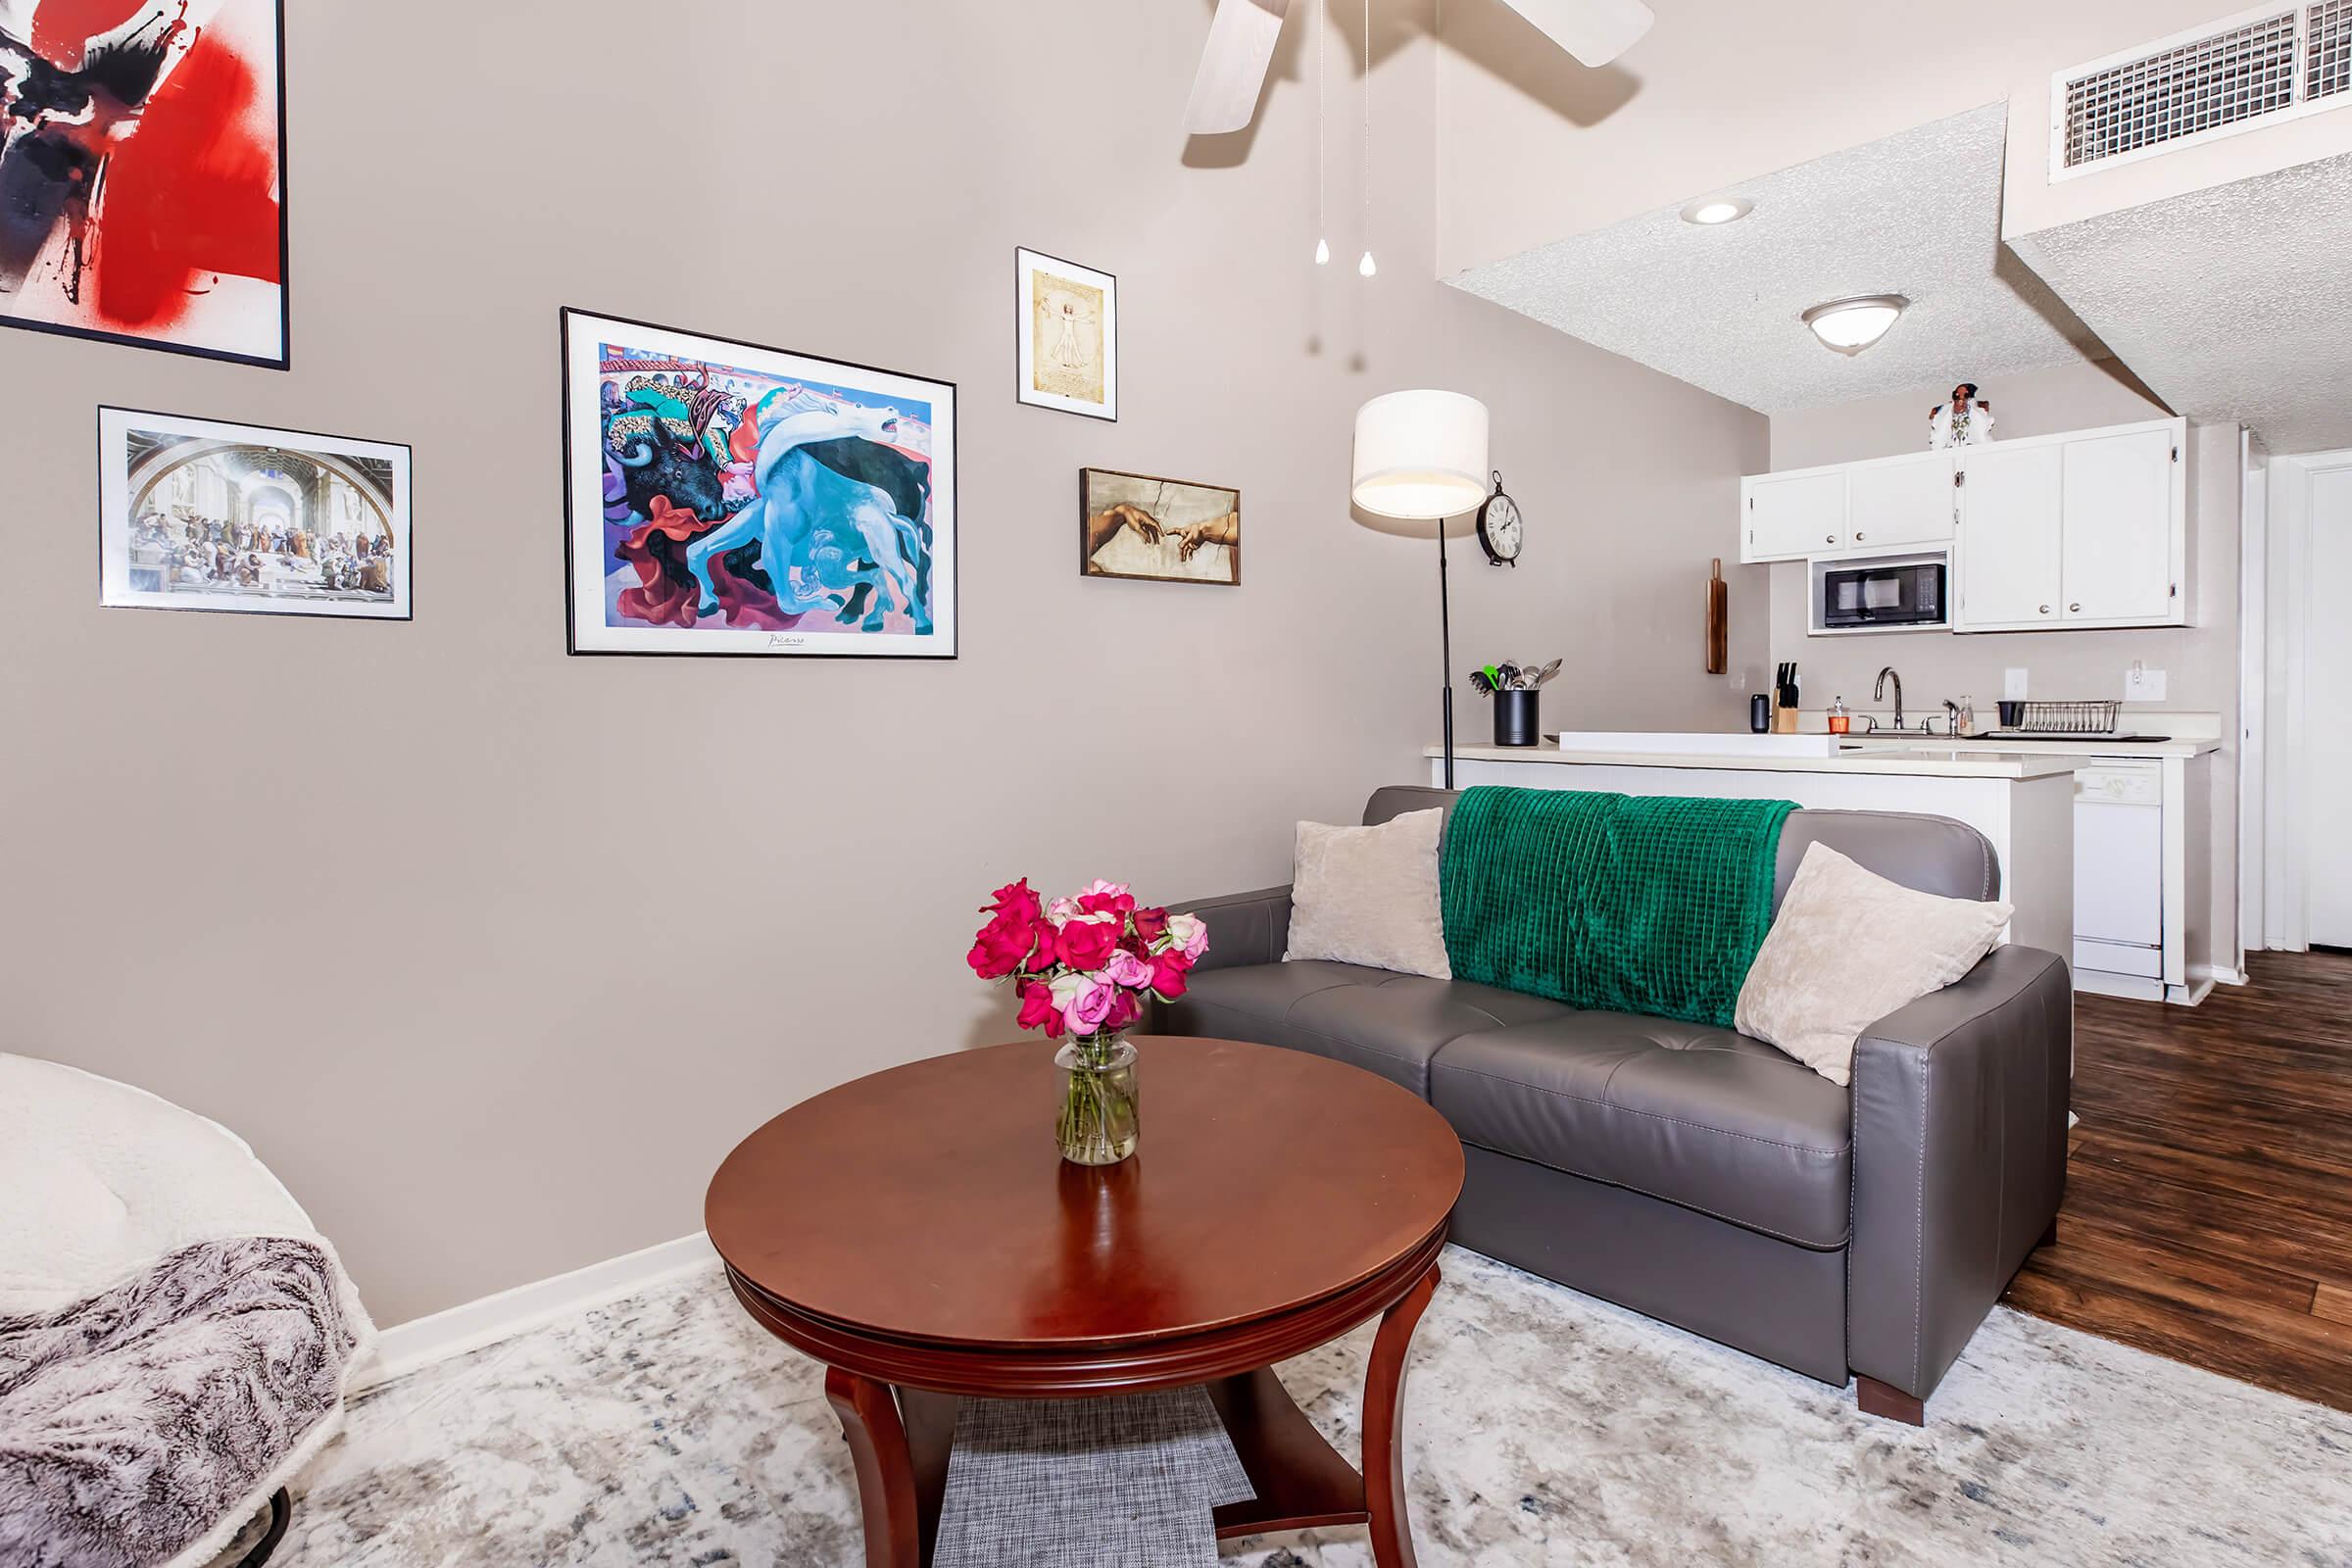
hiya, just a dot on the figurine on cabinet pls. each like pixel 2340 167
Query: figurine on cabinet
pixel 1965 421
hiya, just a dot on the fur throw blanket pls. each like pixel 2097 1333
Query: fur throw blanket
pixel 135 1422
pixel 175 1339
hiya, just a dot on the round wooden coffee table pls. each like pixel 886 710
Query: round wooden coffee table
pixel 919 1232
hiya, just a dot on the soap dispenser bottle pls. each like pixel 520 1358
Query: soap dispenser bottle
pixel 1842 719
pixel 1966 721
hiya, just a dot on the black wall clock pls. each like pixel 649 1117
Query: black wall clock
pixel 1501 531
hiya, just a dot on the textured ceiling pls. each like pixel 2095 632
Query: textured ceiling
pixel 2231 303
pixel 1917 213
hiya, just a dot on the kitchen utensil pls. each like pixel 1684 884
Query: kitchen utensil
pixel 1481 683
pixel 1718 622
pixel 1783 721
pixel 1507 675
pixel 1546 673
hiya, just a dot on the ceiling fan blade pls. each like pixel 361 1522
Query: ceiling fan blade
pixel 1232 68
pixel 1595 31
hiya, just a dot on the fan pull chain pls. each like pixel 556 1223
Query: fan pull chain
pixel 1367 267
pixel 1322 26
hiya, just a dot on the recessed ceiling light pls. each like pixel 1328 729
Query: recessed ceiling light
pixel 1851 326
pixel 1712 209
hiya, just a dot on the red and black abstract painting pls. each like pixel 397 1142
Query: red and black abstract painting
pixel 142 173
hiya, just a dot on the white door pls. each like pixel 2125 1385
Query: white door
pixel 2119 501
pixel 2327 709
pixel 1899 504
pixel 1795 516
pixel 2008 554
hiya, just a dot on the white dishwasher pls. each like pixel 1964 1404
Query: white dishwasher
pixel 2119 871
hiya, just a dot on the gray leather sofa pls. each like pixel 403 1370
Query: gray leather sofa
pixel 1697 1175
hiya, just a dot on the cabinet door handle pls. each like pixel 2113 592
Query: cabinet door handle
pixel 2045 610
pixel 1828 539
pixel 2073 609
pixel 1858 536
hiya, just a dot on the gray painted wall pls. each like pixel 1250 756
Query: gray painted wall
pixel 494 954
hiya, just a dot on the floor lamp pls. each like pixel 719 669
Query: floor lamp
pixel 1422 455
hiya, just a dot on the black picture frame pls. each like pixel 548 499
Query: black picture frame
pixel 1086 566
pixel 285 359
pixel 953 596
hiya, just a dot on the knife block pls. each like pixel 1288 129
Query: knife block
pixel 1784 721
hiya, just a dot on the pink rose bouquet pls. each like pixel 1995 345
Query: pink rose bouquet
pixel 1085 966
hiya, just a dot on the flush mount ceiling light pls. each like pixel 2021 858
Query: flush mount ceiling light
pixel 1851 326
pixel 1709 210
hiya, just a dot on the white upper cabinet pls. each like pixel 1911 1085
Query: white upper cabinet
pixel 2083 529
pixel 2009 554
pixel 2121 510
pixel 1900 503
pixel 1789 517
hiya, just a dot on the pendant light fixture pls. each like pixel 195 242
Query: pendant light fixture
pixel 1367 267
pixel 1322 229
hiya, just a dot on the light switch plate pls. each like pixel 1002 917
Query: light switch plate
pixel 2013 686
pixel 2143 685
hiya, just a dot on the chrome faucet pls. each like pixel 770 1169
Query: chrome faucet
pixel 1877 693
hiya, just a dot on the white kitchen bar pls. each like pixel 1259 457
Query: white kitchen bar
pixel 2023 804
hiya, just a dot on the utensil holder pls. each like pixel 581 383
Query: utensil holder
pixel 1516 723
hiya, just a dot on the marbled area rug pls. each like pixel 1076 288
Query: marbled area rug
pixel 1545 1428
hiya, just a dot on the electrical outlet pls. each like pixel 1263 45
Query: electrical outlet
pixel 2142 684
pixel 2013 686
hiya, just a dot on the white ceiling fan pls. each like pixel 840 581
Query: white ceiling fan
pixel 1242 37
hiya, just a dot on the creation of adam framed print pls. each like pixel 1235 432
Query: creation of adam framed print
pixel 142 173
pixel 1069 335
pixel 1159 530
pixel 205 515
pixel 725 498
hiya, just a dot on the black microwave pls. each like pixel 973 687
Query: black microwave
pixel 1887 594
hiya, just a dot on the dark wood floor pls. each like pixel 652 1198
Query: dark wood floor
pixel 2209 1202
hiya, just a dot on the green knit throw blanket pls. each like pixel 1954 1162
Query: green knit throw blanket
pixel 1630 903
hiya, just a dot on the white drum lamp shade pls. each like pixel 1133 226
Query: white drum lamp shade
pixel 1420 454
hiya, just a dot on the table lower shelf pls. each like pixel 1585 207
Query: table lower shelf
pixel 1301 1480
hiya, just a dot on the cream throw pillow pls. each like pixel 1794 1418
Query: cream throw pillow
pixel 1849 948
pixel 1369 896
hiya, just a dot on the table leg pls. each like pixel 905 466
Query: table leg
pixel 877 1439
pixel 1384 1436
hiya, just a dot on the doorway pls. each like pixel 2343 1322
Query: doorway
pixel 2308 854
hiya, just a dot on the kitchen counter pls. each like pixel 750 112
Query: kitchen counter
pixel 1919 758
pixel 1973 745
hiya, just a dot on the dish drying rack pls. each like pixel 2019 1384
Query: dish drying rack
pixel 2069 719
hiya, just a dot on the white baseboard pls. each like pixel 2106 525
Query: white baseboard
pixel 2132 987
pixel 2220 974
pixel 421 1342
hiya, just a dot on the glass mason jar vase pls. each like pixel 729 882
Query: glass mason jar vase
pixel 1098 1119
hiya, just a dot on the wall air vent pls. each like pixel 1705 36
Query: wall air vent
pixel 2234 74
pixel 2328 49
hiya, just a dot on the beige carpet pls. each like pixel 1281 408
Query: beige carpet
pixel 1545 1428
